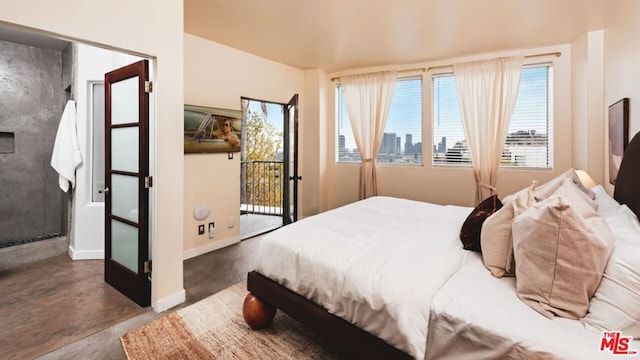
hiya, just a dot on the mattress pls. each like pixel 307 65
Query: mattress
pixel 377 263
pixel 475 315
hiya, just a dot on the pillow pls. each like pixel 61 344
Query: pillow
pixel 616 304
pixel 495 236
pixel 561 256
pixel 470 232
pixel 575 197
pixel 606 204
pixel 526 191
pixel 545 190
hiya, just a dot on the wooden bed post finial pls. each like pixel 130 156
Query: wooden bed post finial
pixel 257 314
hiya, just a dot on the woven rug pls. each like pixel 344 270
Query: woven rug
pixel 213 328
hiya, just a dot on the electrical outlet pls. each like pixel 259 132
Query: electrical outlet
pixel 231 222
pixel 212 230
pixel 201 229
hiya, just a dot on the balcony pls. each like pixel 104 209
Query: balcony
pixel 260 196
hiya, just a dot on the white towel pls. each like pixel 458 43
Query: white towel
pixel 66 155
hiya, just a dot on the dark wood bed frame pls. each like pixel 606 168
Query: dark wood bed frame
pixel 355 342
pixel 265 295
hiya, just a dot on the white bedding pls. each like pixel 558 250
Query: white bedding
pixel 476 315
pixel 396 268
pixel 376 263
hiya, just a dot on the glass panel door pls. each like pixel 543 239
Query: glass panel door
pixel 290 200
pixel 126 167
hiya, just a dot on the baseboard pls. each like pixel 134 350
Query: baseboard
pixel 85 254
pixel 25 253
pixel 219 244
pixel 170 301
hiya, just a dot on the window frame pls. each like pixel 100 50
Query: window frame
pixel 550 123
pixel 337 161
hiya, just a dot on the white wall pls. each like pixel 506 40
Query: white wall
pixel 144 28
pixel 587 100
pixel 451 185
pixel 218 76
pixel 621 59
pixel 87 234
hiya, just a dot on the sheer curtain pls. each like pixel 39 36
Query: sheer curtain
pixel 368 98
pixel 487 92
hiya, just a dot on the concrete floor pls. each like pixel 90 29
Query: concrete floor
pixel 203 276
pixel 254 224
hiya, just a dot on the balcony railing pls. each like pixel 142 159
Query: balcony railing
pixel 261 190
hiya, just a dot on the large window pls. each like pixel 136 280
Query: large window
pixel 402 141
pixel 529 142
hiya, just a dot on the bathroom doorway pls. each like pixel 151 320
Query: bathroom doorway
pixel 37 80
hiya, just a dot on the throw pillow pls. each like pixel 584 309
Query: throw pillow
pixel 561 256
pixel 616 304
pixel 495 235
pixel 545 190
pixel 470 232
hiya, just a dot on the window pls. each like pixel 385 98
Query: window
pixel 97 150
pixel 530 135
pixel 402 140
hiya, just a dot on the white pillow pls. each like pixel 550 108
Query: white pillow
pixel 615 305
pixel 606 204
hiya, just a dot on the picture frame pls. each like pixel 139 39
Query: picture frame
pixel 211 130
pixel 618 136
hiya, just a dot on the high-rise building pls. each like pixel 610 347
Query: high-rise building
pixel 342 149
pixel 388 146
pixel 408 144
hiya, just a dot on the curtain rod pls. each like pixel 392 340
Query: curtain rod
pixel 556 54
pixel 404 70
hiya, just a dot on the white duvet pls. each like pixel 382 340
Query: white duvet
pixel 377 263
pixel 478 316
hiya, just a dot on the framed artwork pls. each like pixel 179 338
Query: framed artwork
pixel 618 136
pixel 211 130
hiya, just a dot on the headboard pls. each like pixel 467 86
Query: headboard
pixel 627 190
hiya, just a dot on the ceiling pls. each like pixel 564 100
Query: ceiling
pixel 336 35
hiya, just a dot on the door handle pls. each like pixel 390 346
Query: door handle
pixel 295 177
pixel 105 191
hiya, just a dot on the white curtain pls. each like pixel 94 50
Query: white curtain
pixel 368 98
pixel 487 92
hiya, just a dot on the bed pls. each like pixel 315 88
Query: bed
pixel 387 278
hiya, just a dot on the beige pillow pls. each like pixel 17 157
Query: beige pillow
pixel 568 190
pixel 545 190
pixel 495 235
pixel 561 256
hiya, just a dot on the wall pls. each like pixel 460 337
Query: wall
pixel 587 83
pixel 216 75
pixel 621 59
pixel 87 236
pixel 313 132
pixel 451 185
pixel 141 27
pixel 31 99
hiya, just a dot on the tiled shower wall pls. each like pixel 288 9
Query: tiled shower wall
pixel 32 98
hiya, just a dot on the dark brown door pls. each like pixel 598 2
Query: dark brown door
pixel 126 265
pixel 291 175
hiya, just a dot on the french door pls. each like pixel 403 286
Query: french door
pixel 291 175
pixel 127 265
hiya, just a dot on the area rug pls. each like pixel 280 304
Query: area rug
pixel 213 328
